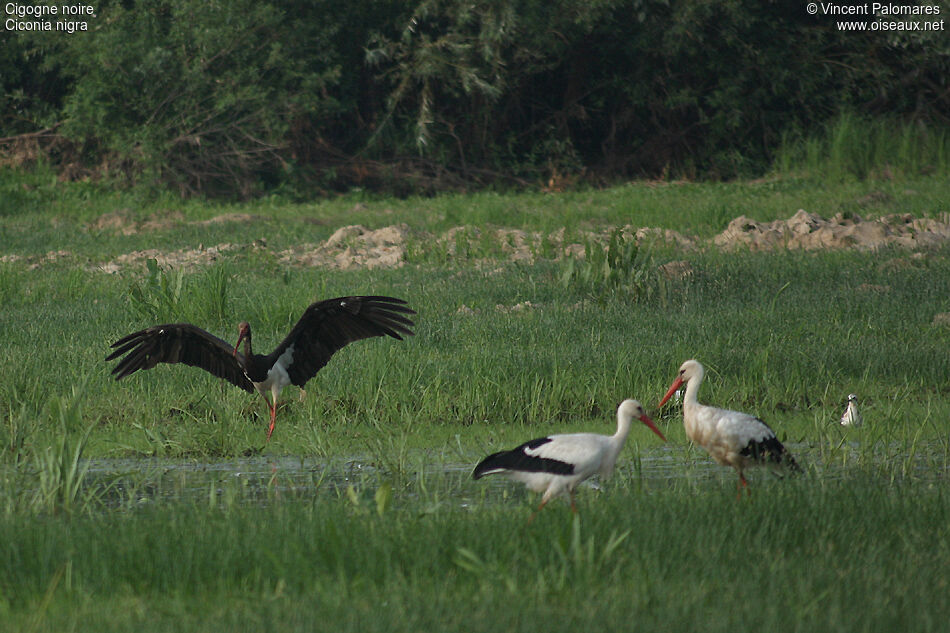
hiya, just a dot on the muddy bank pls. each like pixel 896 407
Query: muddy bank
pixel 182 259
pixel 357 247
pixel 808 231
pixel 122 222
pixel 352 247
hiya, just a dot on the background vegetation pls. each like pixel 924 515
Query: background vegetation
pixel 240 98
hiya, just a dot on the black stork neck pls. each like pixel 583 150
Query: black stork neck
pixel 255 365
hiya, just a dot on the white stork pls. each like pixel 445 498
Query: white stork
pixel 324 328
pixel 852 417
pixel 558 463
pixel 732 438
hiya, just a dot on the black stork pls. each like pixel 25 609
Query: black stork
pixel 325 327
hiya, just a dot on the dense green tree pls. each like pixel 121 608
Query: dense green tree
pixel 239 97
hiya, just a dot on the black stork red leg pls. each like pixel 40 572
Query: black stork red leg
pixel 273 417
pixel 325 327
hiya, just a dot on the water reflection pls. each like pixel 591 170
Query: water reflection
pixel 263 479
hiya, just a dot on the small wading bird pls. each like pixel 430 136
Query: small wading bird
pixel 324 328
pixel 558 463
pixel 851 417
pixel 731 438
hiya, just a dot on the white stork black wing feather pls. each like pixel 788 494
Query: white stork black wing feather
pixel 179 343
pixel 768 449
pixel 329 325
pixel 525 458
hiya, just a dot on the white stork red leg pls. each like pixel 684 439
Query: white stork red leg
pixel 544 502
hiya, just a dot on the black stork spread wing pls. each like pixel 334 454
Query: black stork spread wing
pixel 324 328
pixel 179 343
pixel 329 325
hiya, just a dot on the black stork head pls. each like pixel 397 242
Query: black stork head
pixel 244 332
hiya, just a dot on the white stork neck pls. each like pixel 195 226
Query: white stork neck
pixel 691 397
pixel 616 442
pixel 624 422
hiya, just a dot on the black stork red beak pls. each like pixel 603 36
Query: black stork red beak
pixel 244 331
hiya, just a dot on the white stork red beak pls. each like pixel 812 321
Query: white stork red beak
pixel 676 385
pixel 646 420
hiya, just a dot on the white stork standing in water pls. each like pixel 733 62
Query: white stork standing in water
pixel 558 463
pixel 852 417
pixel 732 438
pixel 324 328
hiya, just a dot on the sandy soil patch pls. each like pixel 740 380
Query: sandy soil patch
pixel 353 246
pixel 229 217
pixel 809 231
pixel 676 270
pixel 516 245
pixel 183 259
pixel 122 222
pixel 524 306
pixel 35 261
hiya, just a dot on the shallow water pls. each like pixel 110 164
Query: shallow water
pixel 131 482
pixel 145 480
pixel 140 481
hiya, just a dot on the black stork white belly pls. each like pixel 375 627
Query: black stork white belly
pixel 556 464
pixel 325 327
pixel 732 438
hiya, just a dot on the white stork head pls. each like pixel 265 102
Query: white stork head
pixel 632 409
pixel 690 370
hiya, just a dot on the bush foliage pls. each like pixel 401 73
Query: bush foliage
pixel 241 97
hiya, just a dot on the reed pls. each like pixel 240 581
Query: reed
pixel 855 147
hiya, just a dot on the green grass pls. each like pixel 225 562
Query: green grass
pixel 382 527
pixel 852 554
pixel 784 335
